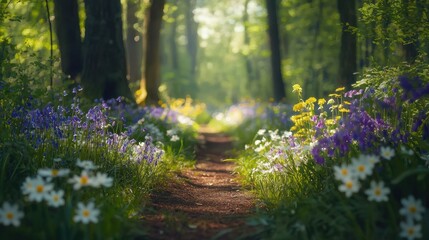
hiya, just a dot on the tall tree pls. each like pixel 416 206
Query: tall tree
pixel 273 32
pixel 192 40
pixel 348 49
pixel 134 42
pixel 68 35
pixel 104 63
pixel 152 51
pixel 249 66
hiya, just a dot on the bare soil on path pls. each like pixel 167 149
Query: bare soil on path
pixel 205 202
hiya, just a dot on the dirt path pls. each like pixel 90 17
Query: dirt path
pixel 205 202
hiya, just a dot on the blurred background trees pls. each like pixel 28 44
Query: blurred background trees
pixel 219 51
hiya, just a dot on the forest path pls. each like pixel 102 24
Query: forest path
pixel 205 202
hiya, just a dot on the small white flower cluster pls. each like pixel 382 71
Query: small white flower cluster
pixel 278 150
pixel 172 133
pixel 41 187
pixel 360 169
pixel 412 210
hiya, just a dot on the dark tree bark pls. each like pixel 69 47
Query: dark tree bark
pixel 152 53
pixel 68 35
pixel 249 66
pixel 273 31
pixel 410 48
pixel 104 72
pixel 348 49
pixel 134 43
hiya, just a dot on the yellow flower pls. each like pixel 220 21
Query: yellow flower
pixel 340 89
pixel 330 122
pixel 298 107
pixel 321 101
pixel 331 101
pixel 344 110
pixel 297 88
pixel 334 95
pixel 295 118
pixel 347 103
pixel 310 100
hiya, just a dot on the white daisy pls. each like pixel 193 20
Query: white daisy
pixel 86 164
pixel 410 231
pixel 387 152
pixel 37 188
pixel 101 179
pixel 10 214
pixel 412 208
pixel 343 171
pixel 51 173
pixel 371 158
pixel 377 192
pixel 55 198
pixel 81 181
pixel 86 213
pixel 362 168
pixel 350 185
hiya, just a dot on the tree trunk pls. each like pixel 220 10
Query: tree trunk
pixel 134 43
pixel 152 54
pixel 173 42
pixel 68 35
pixel 273 32
pixel 192 42
pixel 410 48
pixel 104 71
pixel 348 49
pixel 249 66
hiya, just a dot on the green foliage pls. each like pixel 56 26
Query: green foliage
pixel 306 200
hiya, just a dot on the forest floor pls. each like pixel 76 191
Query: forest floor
pixel 204 202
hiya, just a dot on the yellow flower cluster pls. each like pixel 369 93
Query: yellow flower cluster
pixel 303 124
pixel 185 106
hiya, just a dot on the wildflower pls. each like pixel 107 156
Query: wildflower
pixel 406 151
pixel 174 138
pixel 261 131
pixel 51 173
pixel 343 172
pixel 86 213
pixel 310 100
pixel 298 107
pixel 86 164
pixel 101 179
pixel 387 152
pixel 10 214
pixel 377 192
pixel 297 88
pixel 340 89
pixel 350 185
pixel 37 189
pixel 373 159
pixel 81 181
pixel 412 208
pixel 171 132
pixel 331 101
pixel 362 167
pixel 410 231
pixel 55 198
pixel 321 101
